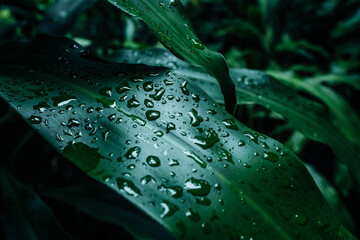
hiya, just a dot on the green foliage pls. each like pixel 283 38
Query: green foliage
pixel 178 158
pixel 168 159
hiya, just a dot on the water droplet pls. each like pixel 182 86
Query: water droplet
pixel 128 187
pixel 147 179
pixel 41 107
pixel 193 215
pixel 158 94
pixel 173 162
pixel 197 187
pixel 63 99
pixel 230 124
pixel 170 126
pixel 195 120
pixel 73 123
pixel 148 86
pixel 35 119
pixel 254 137
pixel 123 88
pixel 196 158
pixel 208 141
pixel 175 191
pixel 197 44
pixel 133 102
pixel 300 218
pixel 133 153
pixel 271 156
pixel 183 88
pixel 203 201
pixel 168 209
pixel 153 161
pixel 148 103
pixel 152 115
pixel 174 2
pixel 106 91
pixel 206 228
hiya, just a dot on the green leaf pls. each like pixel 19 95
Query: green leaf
pixel 332 197
pixel 310 117
pixel 165 145
pixel 344 116
pixel 26 215
pixel 167 20
pixel 104 204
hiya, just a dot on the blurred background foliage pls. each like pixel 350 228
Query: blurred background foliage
pixel 309 44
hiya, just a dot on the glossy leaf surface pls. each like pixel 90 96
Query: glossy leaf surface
pixel 167 20
pixel 165 145
pixel 310 117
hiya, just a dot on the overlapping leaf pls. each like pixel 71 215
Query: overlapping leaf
pixel 310 117
pixel 167 20
pixel 165 145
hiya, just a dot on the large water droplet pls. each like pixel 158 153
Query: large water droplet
pixel 147 179
pixel 168 209
pixel 153 161
pixel 183 88
pixel 123 87
pixel 106 91
pixel 197 187
pixel 128 187
pixel 230 123
pixel 271 156
pixel 158 94
pixel 133 152
pixel 193 215
pixel 63 99
pixel 196 158
pixel 133 102
pixel 148 86
pixel 152 115
pixel 208 141
pixel 195 120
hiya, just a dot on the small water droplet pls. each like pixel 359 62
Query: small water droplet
pixel 153 161
pixel 133 153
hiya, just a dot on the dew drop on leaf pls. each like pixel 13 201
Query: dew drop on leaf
pixel 152 115
pixel 168 209
pixel 153 161
pixel 128 187
pixel 193 215
pixel 197 187
pixel 133 152
pixel 300 218
pixel 35 119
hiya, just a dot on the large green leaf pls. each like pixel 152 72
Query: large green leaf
pixel 26 215
pixel 310 117
pixel 167 20
pixel 345 116
pixel 165 145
